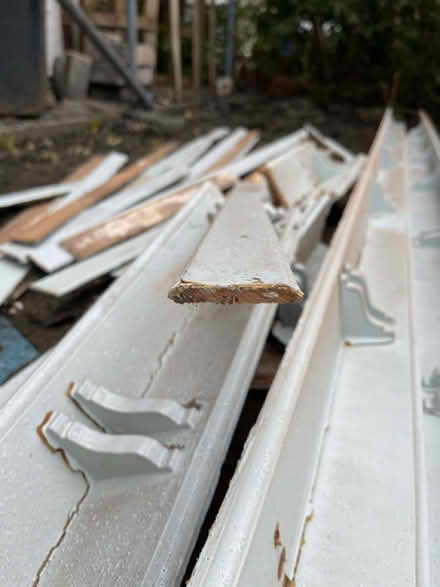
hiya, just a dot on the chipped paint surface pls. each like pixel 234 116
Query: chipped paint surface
pixel 241 260
pixel 285 469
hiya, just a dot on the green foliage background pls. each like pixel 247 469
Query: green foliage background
pixel 348 48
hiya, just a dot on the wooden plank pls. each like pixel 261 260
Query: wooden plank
pixel 42 226
pixel 134 221
pixel 49 254
pixel 241 148
pixel 119 7
pixel 288 178
pixel 260 156
pixel 201 167
pixel 75 276
pixel 197 43
pixel 85 168
pixel 240 260
pixel 174 12
pixel 151 11
pixel 126 225
pixel 212 65
pixel 112 163
pixel 39 211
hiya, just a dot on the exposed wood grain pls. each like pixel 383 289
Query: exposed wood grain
pixel 84 169
pixel 288 178
pixel 240 260
pixel 38 211
pixel 250 138
pixel 174 11
pixel 137 220
pixel 126 225
pixel 42 225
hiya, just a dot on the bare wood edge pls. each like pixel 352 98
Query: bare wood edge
pixel 38 211
pixel 277 195
pixel 256 177
pixel 161 209
pixel 234 151
pixel 43 224
pixel 245 293
pixel 84 169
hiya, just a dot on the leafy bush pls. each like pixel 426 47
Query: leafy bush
pixel 348 43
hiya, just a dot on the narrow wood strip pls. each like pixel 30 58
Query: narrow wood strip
pixel 290 176
pixel 37 212
pixel 240 260
pixel 84 169
pixel 197 43
pixel 125 225
pixel 134 221
pixel 277 195
pixel 174 11
pixel 40 226
pixel 228 157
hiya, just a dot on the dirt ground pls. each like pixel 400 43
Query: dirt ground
pixel 27 161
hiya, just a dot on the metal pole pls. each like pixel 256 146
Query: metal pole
pixel 230 40
pixel 78 16
pixel 132 35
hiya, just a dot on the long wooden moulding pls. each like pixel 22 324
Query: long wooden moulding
pixel 240 260
pixel 69 191
pixel 49 254
pixel 76 275
pixel 41 225
pixel 38 211
pixel 115 332
pixel 131 223
pixel 246 144
pixel 271 500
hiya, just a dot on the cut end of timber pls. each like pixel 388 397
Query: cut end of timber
pixel 190 292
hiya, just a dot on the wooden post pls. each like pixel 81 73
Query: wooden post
pixel 212 55
pixel 197 43
pixel 174 10
pixel 151 11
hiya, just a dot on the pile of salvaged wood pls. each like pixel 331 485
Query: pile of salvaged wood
pixel 108 211
pixel 142 396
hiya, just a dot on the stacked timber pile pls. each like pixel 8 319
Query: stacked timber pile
pixel 142 395
pixel 107 212
pixel 114 443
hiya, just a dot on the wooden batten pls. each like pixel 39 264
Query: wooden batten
pixel 288 179
pixel 126 225
pixel 43 224
pixel 249 140
pixel 137 220
pixel 28 217
pixel 240 260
